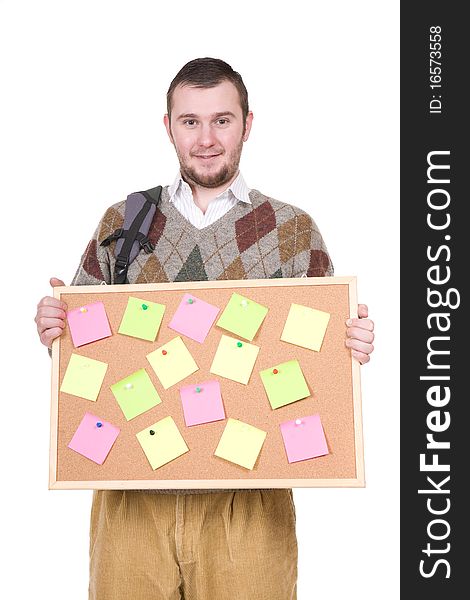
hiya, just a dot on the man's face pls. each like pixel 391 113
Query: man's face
pixel 208 132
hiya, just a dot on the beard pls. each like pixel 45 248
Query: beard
pixel 212 180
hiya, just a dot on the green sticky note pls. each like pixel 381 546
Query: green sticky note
pixel 242 316
pixel 135 394
pixel 234 359
pixel 240 443
pixel 287 385
pixel 162 442
pixel 142 319
pixel 305 327
pixel 172 362
pixel 83 377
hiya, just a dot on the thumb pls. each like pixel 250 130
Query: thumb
pixel 55 282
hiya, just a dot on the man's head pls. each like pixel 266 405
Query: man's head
pixel 208 120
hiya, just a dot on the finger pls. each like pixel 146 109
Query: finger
pixel 46 323
pixel 360 334
pixel 361 357
pixel 49 311
pixel 50 335
pixel 359 346
pixel 361 323
pixel 362 311
pixel 50 301
pixel 55 282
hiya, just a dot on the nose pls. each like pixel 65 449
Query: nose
pixel 206 137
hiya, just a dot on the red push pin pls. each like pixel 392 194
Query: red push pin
pixel 275 371
pixel 164 352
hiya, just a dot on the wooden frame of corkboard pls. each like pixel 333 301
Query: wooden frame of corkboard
pixel 332 374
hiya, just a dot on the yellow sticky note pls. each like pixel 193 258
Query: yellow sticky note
pixel 305 327
pixel 83 377
pixel 172 362
pixel 240 443
pixel 234 359
pixel 162 442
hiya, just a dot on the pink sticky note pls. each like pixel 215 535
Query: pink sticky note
pixel 194 318
pixel 202 403
pixel 304 438
pixel 94 438
pixel 88 323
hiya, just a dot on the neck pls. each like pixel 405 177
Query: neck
pixel 203 196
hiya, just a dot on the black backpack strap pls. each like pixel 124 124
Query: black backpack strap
pixel 134 233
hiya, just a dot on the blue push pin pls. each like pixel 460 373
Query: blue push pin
pixel 99 424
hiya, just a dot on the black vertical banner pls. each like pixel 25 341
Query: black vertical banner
pixel 435 326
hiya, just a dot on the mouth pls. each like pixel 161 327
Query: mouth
pixel 206 156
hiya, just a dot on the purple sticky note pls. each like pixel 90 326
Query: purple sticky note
pixel 88 323
pixel 202 403
pixel 304 438
pixel 94 438
pixel 194 318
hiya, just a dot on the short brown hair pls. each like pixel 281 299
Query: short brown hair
pixel 206 73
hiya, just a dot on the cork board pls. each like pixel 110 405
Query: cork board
pixel 332 375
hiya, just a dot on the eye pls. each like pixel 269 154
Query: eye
pixel 223 121
pixel 189 122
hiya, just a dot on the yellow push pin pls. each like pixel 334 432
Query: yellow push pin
pixel 83 309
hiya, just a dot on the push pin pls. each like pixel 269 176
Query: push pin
pixel 152 432
pixel 99 424
pixel 244 303
pixel 190 301
pixel 83 309
pixel 128 386
pixel 164 352
pixel 144 306
pixel 275 371
pixel 239 344
pixel 298 421
pixel 198 389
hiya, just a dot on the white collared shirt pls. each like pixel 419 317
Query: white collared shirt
pixel 182 197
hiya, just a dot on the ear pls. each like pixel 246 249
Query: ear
pixel 166 122
pixel 248 123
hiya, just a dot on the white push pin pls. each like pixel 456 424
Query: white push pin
pixel 244 303
pixel 128 386
pixel 298 421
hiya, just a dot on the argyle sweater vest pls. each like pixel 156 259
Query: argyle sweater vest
pixel 262 240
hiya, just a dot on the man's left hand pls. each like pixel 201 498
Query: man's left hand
pixel 360 334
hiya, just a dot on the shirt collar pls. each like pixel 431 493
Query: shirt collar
pixel 238 188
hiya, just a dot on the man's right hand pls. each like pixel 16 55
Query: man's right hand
pixel 50 316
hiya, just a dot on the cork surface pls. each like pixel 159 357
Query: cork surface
pixel 329 374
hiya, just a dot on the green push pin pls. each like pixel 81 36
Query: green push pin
pixel 144 306
pixel 198 389
pixel 239 344
pixel 190 301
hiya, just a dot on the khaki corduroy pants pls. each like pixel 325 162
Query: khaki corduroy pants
pixel 205 546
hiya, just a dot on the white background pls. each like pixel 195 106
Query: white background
pixel 82 97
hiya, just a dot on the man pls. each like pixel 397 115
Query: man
pixel 203 544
